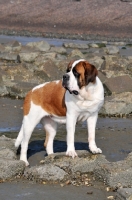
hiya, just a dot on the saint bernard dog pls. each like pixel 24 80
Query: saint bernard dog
pixel 77 97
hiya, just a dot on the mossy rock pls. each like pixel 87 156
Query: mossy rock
pixel 129 45
pixel 123 48
pixel 101 45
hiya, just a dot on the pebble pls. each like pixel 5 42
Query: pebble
pixel 90 192
pixel 110 197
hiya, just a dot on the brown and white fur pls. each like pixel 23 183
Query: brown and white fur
pixel 78 97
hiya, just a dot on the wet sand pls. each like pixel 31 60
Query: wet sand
pixel 28 191
pixel 104 18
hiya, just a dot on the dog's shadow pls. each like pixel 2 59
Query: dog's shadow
pixel 59 146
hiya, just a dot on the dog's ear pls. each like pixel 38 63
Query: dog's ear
pixel 69 66
pixel 90 73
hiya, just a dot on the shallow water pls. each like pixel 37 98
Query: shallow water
pixel 57 42
pixel 52 41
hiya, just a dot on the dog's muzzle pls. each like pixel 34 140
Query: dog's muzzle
pixel 66 78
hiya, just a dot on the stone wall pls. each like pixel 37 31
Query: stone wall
pixel 23 67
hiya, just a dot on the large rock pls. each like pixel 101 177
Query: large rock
pixel 124 194
pixel 45 57
pixel 60 168
pixel 62 65
pixel 20 89
pixel 116 174
pixel 115 63
pixel 45 173
pixel 60 50
pixel 7 153
pixel 7 143
pixel 97 62
pixel 75 45
pixel 3 90
pixel 41 45
pixel 119 84
pixel 37 62
pixel 97 45
pixel 76 54
pixel 28 57
pixel 19 73
pixel 13 46
pixel 10 57
pixel 116 108
pixel 118 43
pixel 112 50
pixel 102 77
pixel 118 104
pixel 10 168
pixel 49 71
pixel 84 163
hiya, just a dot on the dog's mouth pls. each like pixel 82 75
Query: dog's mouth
pixel 71 91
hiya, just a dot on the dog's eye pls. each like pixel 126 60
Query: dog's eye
pixel 76 74
pixel 68 70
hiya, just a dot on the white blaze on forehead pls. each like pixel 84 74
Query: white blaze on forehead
pixel 76 62
pixel 73 83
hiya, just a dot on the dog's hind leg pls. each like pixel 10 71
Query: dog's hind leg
pixel 19 137
pixel 50 127
pixel 28 126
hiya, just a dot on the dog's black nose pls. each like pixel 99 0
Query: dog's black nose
pixel 66 77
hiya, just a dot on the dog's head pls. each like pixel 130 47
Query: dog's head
pixel 79 74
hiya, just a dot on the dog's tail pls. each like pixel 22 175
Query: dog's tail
pixel 19 137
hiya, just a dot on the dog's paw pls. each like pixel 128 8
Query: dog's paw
pixel 73 154
pixel 25 160
pixel 95 150
pixel 26 163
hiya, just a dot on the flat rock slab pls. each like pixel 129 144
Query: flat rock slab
pixel 84 163
pixel 10 168
pixel 102 77
pixel 61 168
pixel 7 143
pixel 75 45
pixel 7 153
pixel 116 174
pixel 20 88
pixel 120 104
pixel 119 84
pixel 47 172
pixel 10 57
pixel 124 194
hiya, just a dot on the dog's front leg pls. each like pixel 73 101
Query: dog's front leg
pixel 91 122
pixel 70 126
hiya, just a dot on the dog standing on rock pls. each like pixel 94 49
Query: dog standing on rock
pixel 77 97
